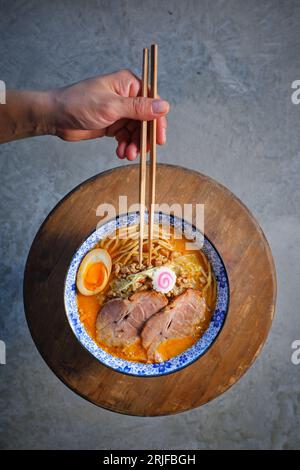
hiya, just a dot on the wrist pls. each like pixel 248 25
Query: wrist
pixel 44 112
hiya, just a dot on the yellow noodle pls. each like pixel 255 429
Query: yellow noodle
pixel 113 246
pixel 159 244
pixel 203 272
pixel 109 243
pixel 208 281
pixel 127 247
pixel 204 258
pixel 127 231
pixel 128 257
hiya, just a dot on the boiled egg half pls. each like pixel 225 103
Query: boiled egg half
pixel 94 272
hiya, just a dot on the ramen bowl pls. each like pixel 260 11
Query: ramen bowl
pixel 189 355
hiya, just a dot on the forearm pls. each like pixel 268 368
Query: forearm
pixel 107 105
pixel 25 114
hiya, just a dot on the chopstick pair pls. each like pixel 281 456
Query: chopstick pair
pixel 143 153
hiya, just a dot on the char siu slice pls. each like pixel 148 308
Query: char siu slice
pixel 178 320
pixel 120 321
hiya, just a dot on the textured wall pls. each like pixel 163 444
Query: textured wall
pixel 226 67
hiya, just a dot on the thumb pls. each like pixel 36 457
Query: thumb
pixel 143 109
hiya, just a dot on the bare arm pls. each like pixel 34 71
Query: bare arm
pixel 107 105
pixel 25 114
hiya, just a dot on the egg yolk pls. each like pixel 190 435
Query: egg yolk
pixel 95 275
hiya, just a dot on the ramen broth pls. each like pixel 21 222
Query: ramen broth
pixel 89 307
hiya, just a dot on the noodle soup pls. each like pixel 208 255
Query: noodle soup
pixel 192 271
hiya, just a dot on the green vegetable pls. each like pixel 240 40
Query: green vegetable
pixel 122 285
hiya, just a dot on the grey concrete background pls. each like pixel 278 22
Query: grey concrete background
pixel 227 68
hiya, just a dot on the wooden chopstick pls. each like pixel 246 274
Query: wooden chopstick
pixel 143 151
pixel 152 149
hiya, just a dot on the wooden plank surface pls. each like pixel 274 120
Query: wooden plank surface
pixel 248 260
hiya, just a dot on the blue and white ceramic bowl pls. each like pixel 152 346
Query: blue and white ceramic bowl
pixel 177 362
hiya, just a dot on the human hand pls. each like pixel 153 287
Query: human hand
pixel 107 105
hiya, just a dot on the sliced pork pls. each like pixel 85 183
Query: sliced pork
pixel 178 320
pixel 120 321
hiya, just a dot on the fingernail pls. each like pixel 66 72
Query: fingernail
pixel 160 107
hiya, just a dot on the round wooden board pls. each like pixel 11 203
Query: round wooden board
pixel 248 260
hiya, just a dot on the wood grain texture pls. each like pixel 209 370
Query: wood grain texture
pixel 248 260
